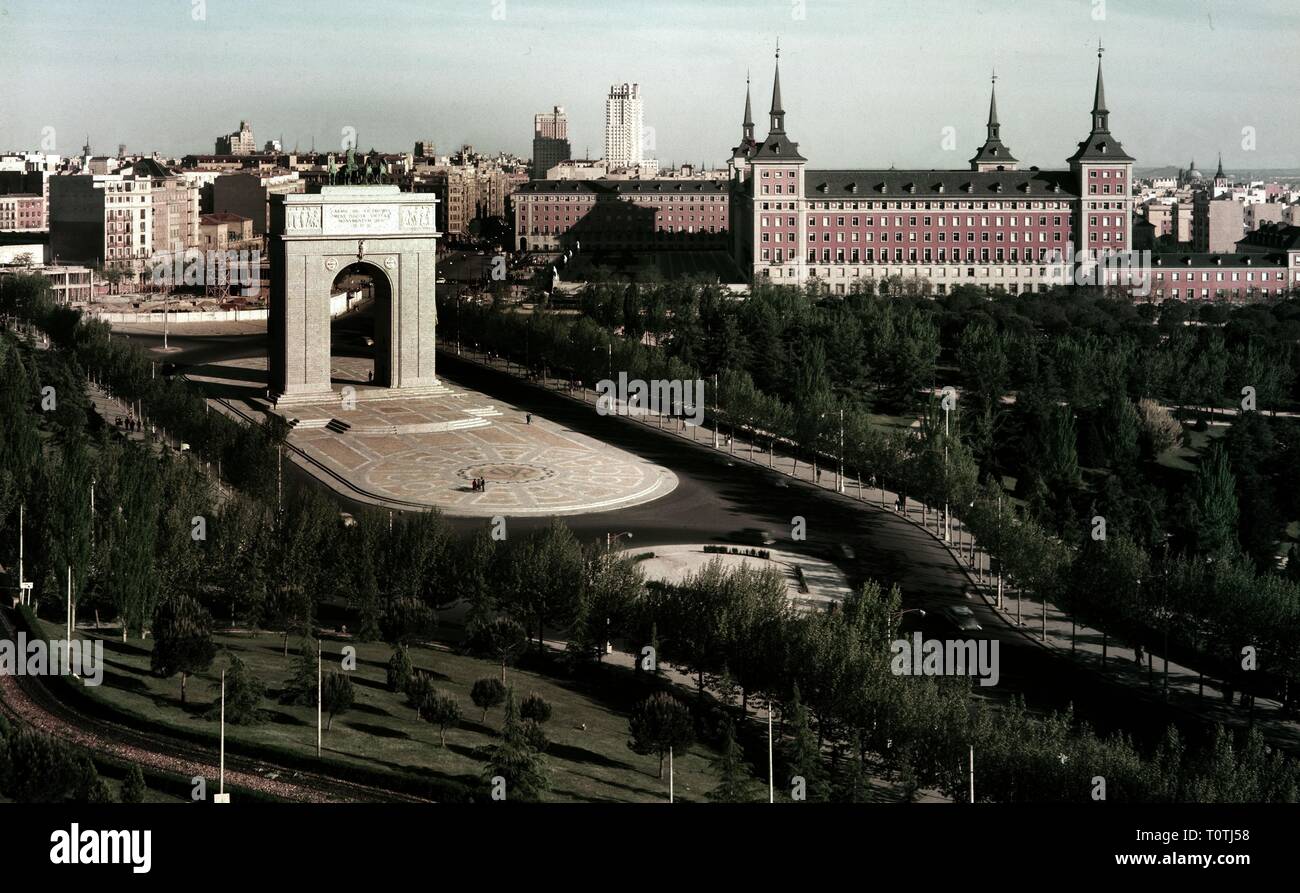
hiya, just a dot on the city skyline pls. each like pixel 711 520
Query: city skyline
pixel 878 112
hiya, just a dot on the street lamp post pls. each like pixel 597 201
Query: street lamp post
pixel 947 523
pixel 899 616
pixel 839 479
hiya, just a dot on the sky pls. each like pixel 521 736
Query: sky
pixel 866 83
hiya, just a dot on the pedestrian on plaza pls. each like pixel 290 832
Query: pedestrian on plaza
pixel 1137 655
pixel 530 418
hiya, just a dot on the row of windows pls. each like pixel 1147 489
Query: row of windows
pixel 651 199
pixel 1219 274
pixel 914 255
pixel 926 237
pixel 558 230
pixel 929 221
pixel 922 206
pixel 1220 292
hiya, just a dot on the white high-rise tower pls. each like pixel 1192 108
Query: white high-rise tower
pixel 623 126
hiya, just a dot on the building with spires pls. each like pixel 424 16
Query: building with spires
pixel 994 224
pixel 991 225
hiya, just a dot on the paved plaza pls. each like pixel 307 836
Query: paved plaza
pixel 428 450
pixel 826 583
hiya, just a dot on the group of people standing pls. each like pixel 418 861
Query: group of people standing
pixel 479 485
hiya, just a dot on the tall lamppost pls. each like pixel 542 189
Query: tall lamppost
pixel 899 616
pixel 839 479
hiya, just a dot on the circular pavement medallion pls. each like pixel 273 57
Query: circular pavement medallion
pixel 506 472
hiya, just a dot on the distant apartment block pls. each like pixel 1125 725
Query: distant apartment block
pixel 248 194
pixel 240 142
pixel 623 126
pixel 23 212
pixel 67 283
pixel 1217 223
pixel 550 141
pixel 102 220
pixel 1260 213
pixel 227 232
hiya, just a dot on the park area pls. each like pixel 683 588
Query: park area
pixel 588 757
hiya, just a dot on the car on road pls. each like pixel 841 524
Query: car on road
pixel 961 617
pixel 755 537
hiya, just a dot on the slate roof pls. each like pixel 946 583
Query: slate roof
pixel 876 184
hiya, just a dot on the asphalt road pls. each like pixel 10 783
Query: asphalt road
pixel 724 500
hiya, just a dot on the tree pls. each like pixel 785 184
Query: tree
pixel 399 669
pixel 36 768
pixel 1214 505
pixel 659 724
pixel 1160 430
pixel 733 773
pixel 182 631
pixel 487 693
pixel 300 689
pixel 514 759
pixel 441 710
pixel 546 571
pixel 802 755
pixel 133 786
pixel 405 620
pixel 1121 429
pixel 89 788
pixel 535 708
pixel 336 695
pixel 244 693
pixel 501 637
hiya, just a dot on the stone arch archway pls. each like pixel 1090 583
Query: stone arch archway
pixel 380 286
pixel 391 234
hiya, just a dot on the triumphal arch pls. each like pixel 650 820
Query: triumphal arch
pixel 378 231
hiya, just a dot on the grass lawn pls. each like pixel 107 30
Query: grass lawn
pixel 381 732
pixel 891 422
pixel 1186 457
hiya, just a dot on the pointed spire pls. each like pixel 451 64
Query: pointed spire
pixel 993 108
pixel 1100 114
pixel 1100 142
pixel 993 156
pixel 777 112
pixel 747 127
pixel 1219 175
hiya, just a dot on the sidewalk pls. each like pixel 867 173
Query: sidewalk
pixel 1187 689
